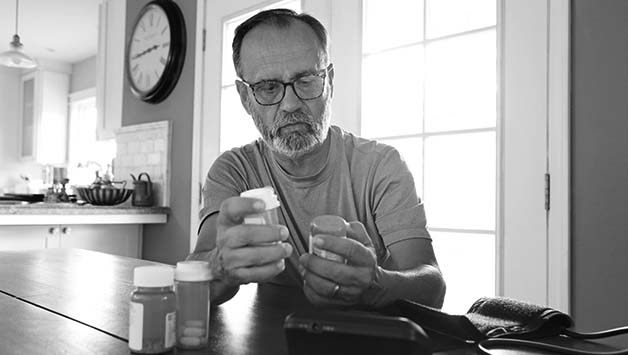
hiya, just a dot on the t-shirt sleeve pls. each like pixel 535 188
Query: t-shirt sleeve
pixel 224 179
pixel 399 212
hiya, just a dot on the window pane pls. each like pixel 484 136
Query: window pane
pixel 236 126
pixel 391 23
pixel 461 76
pixel 467 262
pixel 411 150
pixel 391 92
pixel 460 181
pixel 445 17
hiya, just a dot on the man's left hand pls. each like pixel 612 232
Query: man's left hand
pixel 328 282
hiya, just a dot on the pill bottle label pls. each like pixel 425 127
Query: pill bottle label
pixel 254 219
pixel 325 254
pixel 136 325
pixel 171 321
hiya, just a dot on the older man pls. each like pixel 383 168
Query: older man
pixel 286 85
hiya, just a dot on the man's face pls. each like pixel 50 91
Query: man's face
pixel 294 126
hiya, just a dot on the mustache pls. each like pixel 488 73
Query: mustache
pixel 292 118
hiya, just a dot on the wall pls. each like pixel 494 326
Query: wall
pixel 599 163
pixel 83 75
pixel 10 164
pixel 170 242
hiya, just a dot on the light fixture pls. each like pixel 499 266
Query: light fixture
pixel 14 56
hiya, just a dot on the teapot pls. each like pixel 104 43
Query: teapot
pixel 142 191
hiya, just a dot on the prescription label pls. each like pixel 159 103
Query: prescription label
pixel 136 325
pixel 171 321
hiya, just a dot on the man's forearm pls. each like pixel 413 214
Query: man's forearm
pixel 423 285
pixel 220 290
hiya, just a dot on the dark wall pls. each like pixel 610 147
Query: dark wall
pixel 599 163
pixel 170 242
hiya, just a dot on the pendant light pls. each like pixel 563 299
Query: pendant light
pixel 14 56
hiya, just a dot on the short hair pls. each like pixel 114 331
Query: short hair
pixel 279 18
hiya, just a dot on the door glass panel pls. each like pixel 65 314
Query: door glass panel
pixel 236 126
pixel 28 118
pixel 392 91
pixel 445 17
pixel 461 83
pixel 391 23
pixel 467 262
pixel 460 181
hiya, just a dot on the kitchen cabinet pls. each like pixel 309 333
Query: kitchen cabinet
pixel 44 116
pixel 110 66
pixel 123 240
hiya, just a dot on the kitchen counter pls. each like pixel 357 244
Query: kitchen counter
pixel 70 213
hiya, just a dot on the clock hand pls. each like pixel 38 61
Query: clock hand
pixel 148 50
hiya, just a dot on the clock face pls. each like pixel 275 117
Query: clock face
pixel 149 49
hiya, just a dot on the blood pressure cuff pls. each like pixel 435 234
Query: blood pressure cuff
pixel 490 317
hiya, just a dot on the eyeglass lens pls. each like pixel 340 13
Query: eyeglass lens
pixel 271 92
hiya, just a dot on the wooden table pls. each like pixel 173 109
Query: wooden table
pixel 72 301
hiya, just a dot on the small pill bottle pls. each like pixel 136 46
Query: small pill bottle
pixel 152 312
pixel 192 288
pixel 329 225
pixel 269 216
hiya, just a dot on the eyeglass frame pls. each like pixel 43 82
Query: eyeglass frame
pixel 321 73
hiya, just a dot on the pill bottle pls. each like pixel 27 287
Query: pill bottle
pixel 152 312
pixel 328 225
pixel 192 288
pixel 269 216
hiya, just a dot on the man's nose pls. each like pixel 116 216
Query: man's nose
pixel 291 101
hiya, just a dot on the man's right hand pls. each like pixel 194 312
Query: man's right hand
pixel 247 252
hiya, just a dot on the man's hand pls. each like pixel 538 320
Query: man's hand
pixel 247 252
pixel 332 283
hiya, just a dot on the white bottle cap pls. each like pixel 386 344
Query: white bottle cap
pixel 192 271
pixel 266 194
pixel 153 276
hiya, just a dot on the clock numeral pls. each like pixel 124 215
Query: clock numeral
pixel 156 74
pixel 162 60
pixel 164 30
pixel 134 68
pixel 147 80
pixel 143 26
pixel 152 15
pixel 166 44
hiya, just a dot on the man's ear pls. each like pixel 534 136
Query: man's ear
pixel 244 95
pixel 330 74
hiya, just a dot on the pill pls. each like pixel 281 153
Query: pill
pixel 190 341
pixel 193 332
pixel 194 323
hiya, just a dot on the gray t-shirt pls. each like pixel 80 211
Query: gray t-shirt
pixel 363 180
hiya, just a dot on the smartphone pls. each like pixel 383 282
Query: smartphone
pixel 353 333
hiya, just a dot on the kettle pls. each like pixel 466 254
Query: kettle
pixel 142 191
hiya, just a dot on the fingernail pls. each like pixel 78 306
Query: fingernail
pixel 259 205
pixel 281 265
pixel 301 270
pixel 284 233
pixel 318 242
pixel 287 247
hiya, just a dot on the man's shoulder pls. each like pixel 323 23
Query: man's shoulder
pixel 243 156
pixel 360 147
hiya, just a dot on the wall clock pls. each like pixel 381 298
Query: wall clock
pixel 156 50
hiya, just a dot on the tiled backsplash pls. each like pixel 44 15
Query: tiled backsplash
pixel 145 148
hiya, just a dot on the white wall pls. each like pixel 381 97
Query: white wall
pixel 83 75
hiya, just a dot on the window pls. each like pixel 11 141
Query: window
pixel 236 126
pixel 86 154
pixel 429 77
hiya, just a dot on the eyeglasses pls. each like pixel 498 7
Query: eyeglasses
pixel 306 87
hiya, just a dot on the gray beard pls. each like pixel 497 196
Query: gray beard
pixel 297 143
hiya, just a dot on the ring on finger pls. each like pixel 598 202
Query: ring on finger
pixel 335 291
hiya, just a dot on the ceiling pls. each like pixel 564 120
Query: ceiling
pixel 62 30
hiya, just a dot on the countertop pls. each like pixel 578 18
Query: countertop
pixel 70 213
